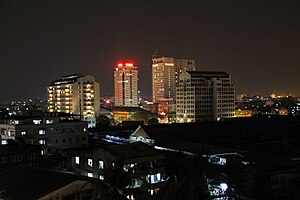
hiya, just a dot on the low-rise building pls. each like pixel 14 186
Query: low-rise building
pixel 138 163
pixel 18 153
pixel 53 133
pixel 7 132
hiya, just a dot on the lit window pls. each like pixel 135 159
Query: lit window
pixel 42 132
pixel 11 133
pixel 42 141
pixel 90 162
pixel 37 121
pixel 154 178
pixel 42 152
pixel 23 132
pixel 77 160
pixel 90 174
pixel 101 177
pixel 3 142
pixel 49 121
pixel 152 192
pixel 101 164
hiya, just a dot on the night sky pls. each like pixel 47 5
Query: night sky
pixel 256 41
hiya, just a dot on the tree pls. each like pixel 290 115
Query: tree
pixel 187 179
pixel 143 115
pixel 103 120
pixel 120 181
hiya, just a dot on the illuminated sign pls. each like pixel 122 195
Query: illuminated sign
pixel 125 65
pixel 129 65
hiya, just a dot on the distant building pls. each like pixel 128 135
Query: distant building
pixel 53 134
pixel 204 95
pixel 122 114
pixel 7 132
pixel 165 75
pixel 126 85
pixel 75 94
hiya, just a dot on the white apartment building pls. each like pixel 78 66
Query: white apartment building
pixel 165 75
pixel 204 95
pixel 126 85
pixel 75 94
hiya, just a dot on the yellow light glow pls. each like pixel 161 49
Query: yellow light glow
pixel 169 64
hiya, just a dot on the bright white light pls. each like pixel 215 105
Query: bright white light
pixel 224 186
pixel 77 159
pixel 90 162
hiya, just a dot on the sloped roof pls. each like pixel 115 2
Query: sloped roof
pixel 24 183
pixel 131 150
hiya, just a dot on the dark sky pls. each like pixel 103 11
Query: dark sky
pixel 256 41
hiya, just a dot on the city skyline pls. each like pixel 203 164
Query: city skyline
pixel 256 42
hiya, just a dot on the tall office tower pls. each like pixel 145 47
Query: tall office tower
pixel 204 95
pixel 126 85
pixel 75 94
pixel 165 75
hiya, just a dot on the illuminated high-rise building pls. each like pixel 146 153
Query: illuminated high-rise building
pixel 204 96
pixel 75 94
pixel 126 85
pixel 165 75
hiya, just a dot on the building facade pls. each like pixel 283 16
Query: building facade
pixel 75 94
pixel 53 134
pixel 165 75
pixel 136 161
pixel 204 95
pixel 126 85
pixel 17 153
pixel 7 132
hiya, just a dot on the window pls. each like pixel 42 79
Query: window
pixel 42 141
pixel 37 121
pixel 90 174
pixel 11 133
pixel 42 132
pixel 113 165
pixel 23 132
pixel 49 121
pixel 3 131
pixel 154 178
pixel 77 160
pixel 3 159
pixel 101 177
pixel 101 164
pixel 90 162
